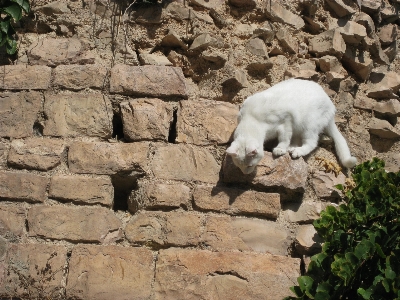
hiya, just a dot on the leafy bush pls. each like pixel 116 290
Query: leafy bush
pixel 360 258
pixel 11 10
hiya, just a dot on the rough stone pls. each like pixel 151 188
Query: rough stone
pixel 235 201
pixel 18 113
pixel 203 41
pixel 330 63
pixel 364 103
pixel 146 119
pixel 110 272
pixel 276 12
pixel 54 8
pixel 58 51
pixel 72 223
pixel 387 34
pixel 257 47
pixel 341 7
pixel 371 6
pixel 78 77
pixel 22 77
pixel 72 115
pixel 329 42
pixel 203 122
pixel 308 241
pixel 149 14
pixel 243 3
pixel 223 233
pixel 216 275
pixel 154 195
pixel 23 186
pixel 186 163
pixel 214 56
pixel 287 41
pixel 391 51
pixel 270 172
pixel 30 261
pixel 390 107
pixel 165 228
pixel 179 12
pixel 383 129
pixel 244 30
pixel 324 184
pixel 390 80
pixel 302 212
pixel 36 153
pixel 99 157
pixel 360 64
pixel 154 59
pixel 151 81
pixel 236 78
pixel 365 20
pixel 81 189
pixel 208 4
pixel 12 220
pixel 353 33
pixel 173 40
pixel 301 74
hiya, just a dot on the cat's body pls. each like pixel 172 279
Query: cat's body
pixel 295 112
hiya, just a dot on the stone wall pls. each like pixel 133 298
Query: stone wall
pixel 114 119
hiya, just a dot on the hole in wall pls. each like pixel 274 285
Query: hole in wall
pixel 118 129
pixel 123 186
pixel 38 129
pixel 172 129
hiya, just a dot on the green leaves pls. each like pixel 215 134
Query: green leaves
pixel 360 257
pixel 11 11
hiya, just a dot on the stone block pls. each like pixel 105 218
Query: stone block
pixel 257 47
pixel 107 158
pixel 150 81
pixel 146 119
pixel 165 228
pixel 216 275
pixel 288 41
pixel 206 122
pixel 78 77
pixel 276 12
pixel 383 129
pixel 302 212
pixel 59 51
pixel 110 272
pixel 353 33
pixel 359 63
pixel 72 115
pixel 389 108
pixel 156 195
pixel 235 201
pixel 43 265
pixel 12 220
pixel 154 59
pixel 203 41
pixel 208 4
pixel 341 8
pixel 324 184
pixel 328 43
pixel 36 153
pixel 308 242
pixel 77 224
pixel 23 186
pixel 22 77
pixel 82 190
pixel 224 233
pixel 387 34
pixel 18 113
pixel 283 171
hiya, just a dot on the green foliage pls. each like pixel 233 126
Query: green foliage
pixel 360 258
pixel 11 10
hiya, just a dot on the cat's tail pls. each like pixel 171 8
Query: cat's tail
pixel 342 149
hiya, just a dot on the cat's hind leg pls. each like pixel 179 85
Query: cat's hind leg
pixel 284 136
pixel 309 143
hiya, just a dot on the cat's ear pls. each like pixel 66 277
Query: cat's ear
pixel 232 150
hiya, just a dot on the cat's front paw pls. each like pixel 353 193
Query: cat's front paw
pixel 278 151
pixel 297 152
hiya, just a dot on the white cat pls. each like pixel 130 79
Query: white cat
pixel 295 111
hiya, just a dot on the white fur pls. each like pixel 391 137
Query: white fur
pixel 295 111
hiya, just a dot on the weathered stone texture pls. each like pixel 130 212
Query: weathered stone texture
pixel 110 272
pixel 307 240
pixel 29 261
pixel 152 81
pixel 18 113
pixel 236 201
pixel 23 186
pixel 78 77
pixel 223 275
pixel 302 212
pixel 277 12
pixel 324 184
pixel 328 43
pixel 359 63
pixel 107 158
pixel 206 122
pixel 171 228
pixel 78 224
pixel 71 115
pixel 80 189
pixel 152 195
pixel 282 171
pixel 58 51
pixel 12 220
pixel 146 119
pixel 36 153
pixel 21 77
pixel 185 162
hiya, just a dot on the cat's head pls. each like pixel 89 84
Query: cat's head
pixel 246 154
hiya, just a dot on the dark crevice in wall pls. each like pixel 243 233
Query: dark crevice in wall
pixel 123 186
pixel 172 129
pixel 118 129
pixel 38 129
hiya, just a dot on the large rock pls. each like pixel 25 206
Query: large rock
pixel 53 9
pixel 389 108
pixel 223 233
pixel 324 184
pixel 302 212
pixel 110 272
pixel 282 171
pixel 78 77
pixel 36 153
pixel 383 129
pixel 359 63
pixel 23 77
pixel 236 201
pixel 77 224
pixel 307 240
pixel 146 119
pixel 100 158
pixel 342 8
pixel 82 189
pixel 387 34
pixel 12 221
pixel 23 186
pixel 18 113
pixel 328 43
pixel 276 12
pixel 384 85
pixel 353 33
pixel 216 275
pixel 71 115
pixel 205 122
pixel 186 163
pixel 365 20
pixel 150 81
pixel 205 40
pixel 288 41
